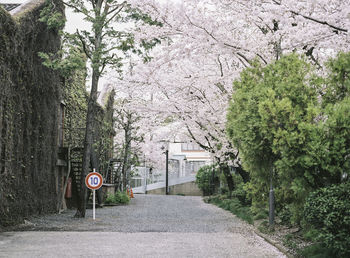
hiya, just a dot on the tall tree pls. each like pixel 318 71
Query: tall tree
pixel 272 119
pixel 103 45
pixel 127 121
pixel 100 14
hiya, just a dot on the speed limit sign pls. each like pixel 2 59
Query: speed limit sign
pixel 93 180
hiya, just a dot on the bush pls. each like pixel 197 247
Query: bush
pixel 285 215
pixel 110 199
pixel 241 194
pixel 117 198
pixel 207 179
pixel 122 197
pixel 234 206
pixel 328 210
pixel 316 251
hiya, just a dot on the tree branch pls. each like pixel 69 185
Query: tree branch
pixel 85 47
pixel 210 149
pixel 78 10
pixel 121 6
pixel 220 65
pixel 320 22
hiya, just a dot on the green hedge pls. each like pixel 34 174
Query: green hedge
pixel 328 211
pixel 207 179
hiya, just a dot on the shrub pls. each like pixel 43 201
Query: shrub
pixel 207 178
pixel 328 210
pixel 285 215
pixel 110 199
pixel 117 198
pixel 234 206
pixel 122 197
pixel 241 194
pixel 316 251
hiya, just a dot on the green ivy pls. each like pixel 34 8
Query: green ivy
pixel 52 16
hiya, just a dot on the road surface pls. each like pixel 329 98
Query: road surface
pixel 150 226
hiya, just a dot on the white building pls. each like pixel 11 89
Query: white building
pixel 185 159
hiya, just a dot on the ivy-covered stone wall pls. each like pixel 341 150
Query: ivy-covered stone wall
pixel 29 115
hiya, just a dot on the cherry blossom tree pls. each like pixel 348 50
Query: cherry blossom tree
pixel 205 45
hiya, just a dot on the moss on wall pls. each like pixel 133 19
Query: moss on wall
pixel 76 100
pixel 29 104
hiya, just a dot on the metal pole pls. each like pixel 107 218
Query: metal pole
pixel 212 181
pixel 271 203
pixel 93 204
pixel 145 172
pixel 166 171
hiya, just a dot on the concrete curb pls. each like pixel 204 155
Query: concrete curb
pixel 281 248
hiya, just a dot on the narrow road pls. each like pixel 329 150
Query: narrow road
pixel 150 226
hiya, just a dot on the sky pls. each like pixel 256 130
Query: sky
pixel 12 1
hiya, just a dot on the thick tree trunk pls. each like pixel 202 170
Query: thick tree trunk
pixel 95 163
pixel 126 158
pixel 125 168
pixel 88 143
pixel 229 179
pixel 244 174
pixel 127 148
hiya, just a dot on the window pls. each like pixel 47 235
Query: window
pixel 190 146
pixel 192 167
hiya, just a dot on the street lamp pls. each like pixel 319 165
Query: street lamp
pixel 166 171
pixel 166 147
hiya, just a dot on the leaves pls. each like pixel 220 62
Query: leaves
pixel 271 120
pixel 328 209
pixel 207 179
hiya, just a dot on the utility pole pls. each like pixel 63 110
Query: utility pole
pixel 166 171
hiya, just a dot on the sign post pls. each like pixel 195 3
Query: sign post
pixel 93 181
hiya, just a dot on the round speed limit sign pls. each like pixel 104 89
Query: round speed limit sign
pixel 93 180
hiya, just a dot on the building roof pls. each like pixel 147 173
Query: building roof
pixel 9 7
pixel 17 6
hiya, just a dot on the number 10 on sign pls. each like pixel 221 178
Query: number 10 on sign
pixel 93 181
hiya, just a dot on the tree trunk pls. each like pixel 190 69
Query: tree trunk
pixel 96 164
pixel 88 143
pixel 126 161
pixel 229 178
pixel 126 158
pixel 125 166
pixel 244 174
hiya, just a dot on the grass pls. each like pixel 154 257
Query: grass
pixel 233 205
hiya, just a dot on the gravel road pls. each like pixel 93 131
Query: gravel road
pixel 150 226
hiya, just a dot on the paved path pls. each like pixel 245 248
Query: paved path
pixel 150 226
